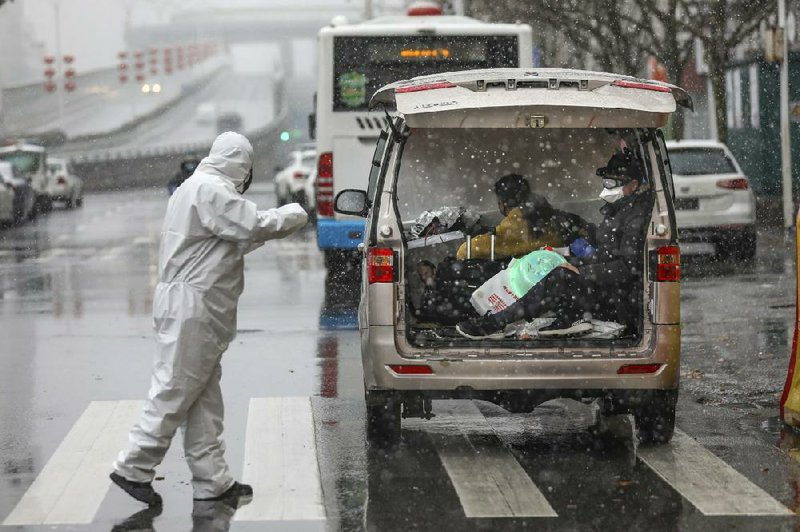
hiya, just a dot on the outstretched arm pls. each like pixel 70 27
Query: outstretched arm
pixel 231 217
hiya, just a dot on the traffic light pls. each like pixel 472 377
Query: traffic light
pixel 289 134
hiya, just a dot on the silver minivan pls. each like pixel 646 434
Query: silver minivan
pixel 451 137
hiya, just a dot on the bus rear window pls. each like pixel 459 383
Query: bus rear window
pixel 362 65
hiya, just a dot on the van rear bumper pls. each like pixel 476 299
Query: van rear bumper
pixel 453 376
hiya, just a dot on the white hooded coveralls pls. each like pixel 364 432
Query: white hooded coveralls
pixel 207 230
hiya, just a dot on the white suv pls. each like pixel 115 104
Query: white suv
pixel 64 185
pixel 291 179
pixel 31 161
pixel 715 207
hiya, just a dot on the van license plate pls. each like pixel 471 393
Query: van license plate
pixel 687 204
pixel 697 248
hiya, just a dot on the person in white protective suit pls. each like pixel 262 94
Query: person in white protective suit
pixel 208 229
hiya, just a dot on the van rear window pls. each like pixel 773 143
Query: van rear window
pixel 459 167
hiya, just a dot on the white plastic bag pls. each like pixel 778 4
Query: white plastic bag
pixel 494 295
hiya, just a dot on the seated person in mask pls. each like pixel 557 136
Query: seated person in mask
pixel 529 223
pixel 597 286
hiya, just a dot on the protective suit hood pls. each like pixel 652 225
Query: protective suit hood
pixel 231 158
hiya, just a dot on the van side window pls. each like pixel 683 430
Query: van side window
pixel 375 168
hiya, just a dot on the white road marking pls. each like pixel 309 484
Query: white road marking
pixel 489 481
pixel 75 480
pixel 280 461
pixel 711 485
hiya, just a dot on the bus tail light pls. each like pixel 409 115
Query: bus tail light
pixel 325 184
pixel 380 265
pixel 667 264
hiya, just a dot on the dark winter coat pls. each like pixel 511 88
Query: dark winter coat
pixel 619 243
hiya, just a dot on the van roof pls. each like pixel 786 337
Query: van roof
pixel 564 98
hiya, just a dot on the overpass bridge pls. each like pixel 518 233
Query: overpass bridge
pixel 276 25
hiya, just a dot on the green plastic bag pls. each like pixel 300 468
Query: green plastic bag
pixel 532 268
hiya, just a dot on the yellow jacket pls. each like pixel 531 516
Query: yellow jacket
pixel 513 239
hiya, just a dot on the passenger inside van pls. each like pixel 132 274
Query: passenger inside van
pixel 597 286
pixel 529 223
pixel 423 299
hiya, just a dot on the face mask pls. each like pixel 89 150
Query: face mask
pixel 611 195
pixel 242 188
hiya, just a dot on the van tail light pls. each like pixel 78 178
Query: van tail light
pixel 325 184
pixel 60 180
pixel 411 369
pixel 734 184
pixel 298 174
pixel 666 264
pixel 425 87
pixel 380 265
pixel 638 369
pixel 640 85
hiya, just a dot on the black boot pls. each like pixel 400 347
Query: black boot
pixel 234 493
pixel 485 327
pixel 141 491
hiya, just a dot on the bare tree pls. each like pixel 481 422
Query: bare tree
pixel 621 35
pixel 723 25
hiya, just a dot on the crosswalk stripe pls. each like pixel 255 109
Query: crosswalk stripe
pixel 489 481
pixel 280 461
pixel 710 484
pixel 74 481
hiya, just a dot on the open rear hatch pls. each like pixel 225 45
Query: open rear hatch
pixel 554 127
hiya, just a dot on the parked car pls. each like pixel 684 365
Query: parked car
pixel 291 179
pixel 715 207
pixel 31 161
pixel 7 194
pixel 229 121
pixel 187 168
pixel 454 134
pixel 310 191
pixel 206 113
pixel 64 185
pixel 24 201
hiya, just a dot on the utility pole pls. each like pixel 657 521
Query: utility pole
pixel 367 9
pixel 59 65
pixel 786 152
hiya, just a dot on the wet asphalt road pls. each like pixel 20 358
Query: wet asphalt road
pixel 75 296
